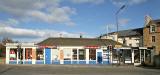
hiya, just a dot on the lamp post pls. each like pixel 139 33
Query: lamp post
pixel 117 19
pixel 118 55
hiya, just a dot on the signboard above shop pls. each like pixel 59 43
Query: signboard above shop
pixel 118 46
pixel 53 47
pixel 92 47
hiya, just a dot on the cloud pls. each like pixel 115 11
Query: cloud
pixel 127 2
pixel 36 35
pixel 9 22
pixel 49 11
pixel 136 1
pixel 124 21
pixel 45 10
pixel 85 1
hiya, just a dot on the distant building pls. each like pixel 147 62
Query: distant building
pixel 131 37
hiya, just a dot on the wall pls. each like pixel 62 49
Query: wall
pixel 134 39
pixel 148 38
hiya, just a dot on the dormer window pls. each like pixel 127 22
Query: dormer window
pixel 152 28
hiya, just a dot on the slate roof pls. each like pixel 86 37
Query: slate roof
pixel 157 22
pixel 131 32
pixel 78 42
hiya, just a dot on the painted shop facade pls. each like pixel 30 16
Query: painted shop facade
pixel 90 51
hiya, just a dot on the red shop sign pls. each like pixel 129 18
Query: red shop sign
pixel 92 47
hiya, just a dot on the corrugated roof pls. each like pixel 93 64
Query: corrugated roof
pixel 78 42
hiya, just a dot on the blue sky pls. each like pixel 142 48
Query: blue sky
pixel 35 20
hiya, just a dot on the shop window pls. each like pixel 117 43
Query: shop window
pixel 82 54
pixel 74 57
pixel 55 55
pixel 67 54
pixel 13 54
pixel 28 53
pixel 128 55
pixel 40 54
pixel 136 56
pixel 147 56
pixel 115 54
pixel 92 54
pixel 105 54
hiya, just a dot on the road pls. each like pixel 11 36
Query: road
pixel 75 70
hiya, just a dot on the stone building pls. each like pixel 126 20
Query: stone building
pixel 151 34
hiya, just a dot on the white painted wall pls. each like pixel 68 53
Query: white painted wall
pixel 134 40
pixel 87 56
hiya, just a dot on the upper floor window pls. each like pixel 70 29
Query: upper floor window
pixel 137 44
pixel 130 38
pixel 153 39
pixel 130 45
pixel 152 28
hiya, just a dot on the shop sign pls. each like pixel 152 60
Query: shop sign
pixel 118 46
pixel 54 47
pixel 92 47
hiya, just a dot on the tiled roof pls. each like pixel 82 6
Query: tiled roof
pixel 78 42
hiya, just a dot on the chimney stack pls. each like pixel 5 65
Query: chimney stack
pixel 147 20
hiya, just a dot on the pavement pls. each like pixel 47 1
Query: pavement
pixel 24 69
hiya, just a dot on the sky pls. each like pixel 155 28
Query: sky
pixel 36 20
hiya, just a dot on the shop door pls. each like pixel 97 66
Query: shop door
pixel 99 57
pixel 121 56
pixel 142 56
pixel 47 56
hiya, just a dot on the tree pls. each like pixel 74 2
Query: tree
pixel 2 46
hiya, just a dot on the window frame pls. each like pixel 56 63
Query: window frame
pixel 73 54
pixel 90 54
pixel 84 54
pixel 153 26
pixel 15 52
pixel 29 55
pixel 130 45
pixel 153 39
pixel 40 54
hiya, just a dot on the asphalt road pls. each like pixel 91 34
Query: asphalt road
pixel 75 70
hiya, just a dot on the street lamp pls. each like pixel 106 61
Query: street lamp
pixel 118 54
pixel 117 19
